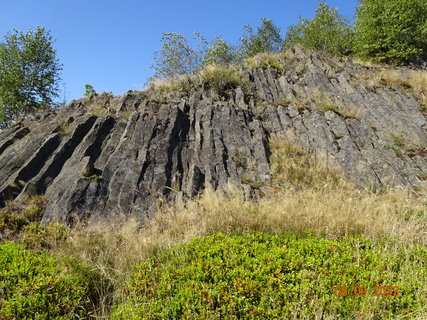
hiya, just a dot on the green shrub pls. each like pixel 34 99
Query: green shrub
pixel 37 236
pixel 219 52
pixel 327 31
pixel 37 286
pixel 392 30
pixel 267 276
pixel 89 90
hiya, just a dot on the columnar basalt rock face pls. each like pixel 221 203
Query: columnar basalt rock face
pixel 107 155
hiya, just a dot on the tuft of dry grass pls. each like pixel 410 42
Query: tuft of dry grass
pixel 177 83
pixel 326 103
pixel 414 80
pixel 266 60
pixel 220 78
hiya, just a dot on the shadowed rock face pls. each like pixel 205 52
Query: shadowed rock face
pixel 107 155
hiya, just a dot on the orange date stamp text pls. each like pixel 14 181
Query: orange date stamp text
pixel 378 291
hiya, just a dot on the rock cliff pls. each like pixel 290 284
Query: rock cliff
pixel 107 155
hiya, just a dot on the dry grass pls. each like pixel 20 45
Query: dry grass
pixel 326 103
pixel 65 128
pixel 218 77
pixel 410 78
pixel 347 111
pixel 414 80
pixel 177 83
pixel 266 60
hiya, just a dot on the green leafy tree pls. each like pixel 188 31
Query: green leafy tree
pixel 176 57
pixel 327 31
pixel 29 74
pixel 392 30
pixel 89 90
pixel 266 39
pixel 219 52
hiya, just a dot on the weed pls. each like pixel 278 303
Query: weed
pixel 396 149
pixel 64 129
pixel 95 177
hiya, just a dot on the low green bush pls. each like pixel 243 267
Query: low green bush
pixel 267 276
pixel 37 286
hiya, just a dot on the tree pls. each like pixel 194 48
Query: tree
pixel 89 90
pixel 219 52
pixel 176 57
pixel 327 31
pixel 266 39
pixel 392 30
pixel 29 74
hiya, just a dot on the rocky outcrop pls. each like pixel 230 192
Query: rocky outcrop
pixel 108 155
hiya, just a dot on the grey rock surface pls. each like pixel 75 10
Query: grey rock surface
pixel 107 155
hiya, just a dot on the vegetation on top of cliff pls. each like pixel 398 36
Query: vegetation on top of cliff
pixel 327 31
pixel 396 35
pixel 393 31
pixel 29 74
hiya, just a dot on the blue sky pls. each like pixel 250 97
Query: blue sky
pixel 110 44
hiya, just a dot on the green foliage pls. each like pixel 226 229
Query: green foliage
pixel 392 30
pixel 219 52
pixel 176 57
pixel 267 276
pixel 89 90
pixel 36 236
pixel 267 39
pixel 36 286
pixel 327 31
pixel 12 221
pixel 29 74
